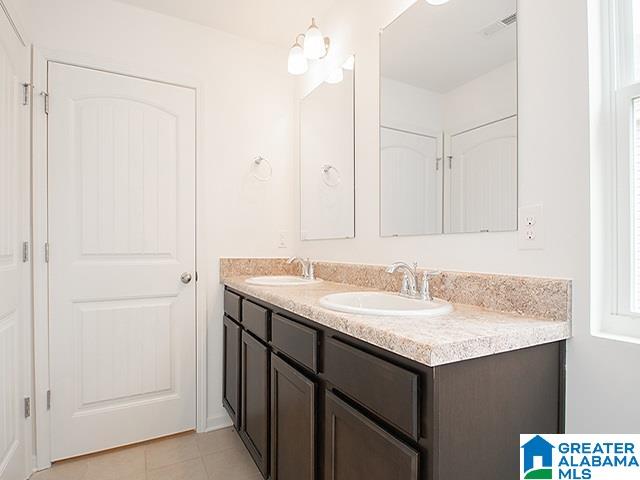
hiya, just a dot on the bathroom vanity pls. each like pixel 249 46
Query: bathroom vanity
pixel 313 402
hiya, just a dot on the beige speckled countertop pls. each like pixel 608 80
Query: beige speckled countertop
pixel 467 332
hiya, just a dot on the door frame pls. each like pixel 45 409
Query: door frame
pixel 11 13
pixel 41 57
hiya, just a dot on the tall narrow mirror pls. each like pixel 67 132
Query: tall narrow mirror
pixel 448 119
pixel 327 157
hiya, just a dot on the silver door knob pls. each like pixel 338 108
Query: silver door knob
pixel 185 278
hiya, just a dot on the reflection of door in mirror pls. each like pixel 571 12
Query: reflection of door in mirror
pixel 327 161
pixel 481 179
pixel 449 73
pixel 411 183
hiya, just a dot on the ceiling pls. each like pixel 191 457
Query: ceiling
pixel 439 48
pixel 270 21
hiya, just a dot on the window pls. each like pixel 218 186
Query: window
pixel 614 50
pixel 627 179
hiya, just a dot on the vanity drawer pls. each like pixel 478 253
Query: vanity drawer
pixel 255 319
pixel 295 340
pixel 232 305
pixel 387 390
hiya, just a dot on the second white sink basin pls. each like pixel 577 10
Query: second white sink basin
pixel 281 281
pixel 384 304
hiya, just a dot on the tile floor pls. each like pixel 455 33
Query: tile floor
pixel 218 455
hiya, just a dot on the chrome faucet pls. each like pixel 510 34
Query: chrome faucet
pixel 307 267
pixel 410 280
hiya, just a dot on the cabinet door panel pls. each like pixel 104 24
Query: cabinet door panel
pixel 293 432
pixel 254 429
pixel 231 384
pixel 356 448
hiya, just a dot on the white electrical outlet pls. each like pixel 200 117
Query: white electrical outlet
pixel 531 228
pixel 282 240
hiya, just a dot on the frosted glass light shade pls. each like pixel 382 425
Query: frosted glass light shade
pixel 336 76
pixel 437 2
pixel 297 64
pixel 314 47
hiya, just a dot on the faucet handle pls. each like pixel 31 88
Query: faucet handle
pixel 425 290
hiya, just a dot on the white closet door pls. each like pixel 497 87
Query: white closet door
pixel 15 290
pixel 482 183
pixel 411 184
pixel 121 233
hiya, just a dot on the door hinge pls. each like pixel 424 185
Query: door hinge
pixel 27 407
pixel 450 157
pixel 45 95
pixel 26 93
pixel 48 399
pixel 46 252
pixel 25 252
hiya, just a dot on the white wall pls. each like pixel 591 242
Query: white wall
pixel 490 97
pixel 485 99
pixel 603 378
pixel 248 109
pixel 410 108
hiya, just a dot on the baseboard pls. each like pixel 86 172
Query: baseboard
pixel 218 421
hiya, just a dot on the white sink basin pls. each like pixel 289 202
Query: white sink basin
pixel 281 281
pixel 384 304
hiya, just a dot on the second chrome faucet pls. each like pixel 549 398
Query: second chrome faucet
pixel 307 267
pixel 410 280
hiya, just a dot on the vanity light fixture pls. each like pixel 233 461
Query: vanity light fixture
pixel 437 2
pixel 297 64
pixel 313 47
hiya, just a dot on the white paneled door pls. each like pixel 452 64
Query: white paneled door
pixel 122 259
pixel 482 182
pixel 410 169
pixel 14 269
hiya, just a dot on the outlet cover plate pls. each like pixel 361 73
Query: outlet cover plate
pixel 531 227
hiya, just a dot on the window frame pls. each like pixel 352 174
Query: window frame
pixel 610 93
pixel 626 89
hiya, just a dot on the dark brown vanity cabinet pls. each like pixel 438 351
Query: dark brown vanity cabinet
pixel 231 334
pixel 316 404
pixel 357 448
pixel 293 423
pixel 254 428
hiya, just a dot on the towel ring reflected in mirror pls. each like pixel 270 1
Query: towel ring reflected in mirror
pixel 327 178
pixel 257 163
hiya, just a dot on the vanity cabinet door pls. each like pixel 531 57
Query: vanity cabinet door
pixel 293 423
pixel 231 384
pixel 356 448
pixel 254 429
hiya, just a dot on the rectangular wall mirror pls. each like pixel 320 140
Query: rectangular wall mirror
pixel 449 119
pixel 327 157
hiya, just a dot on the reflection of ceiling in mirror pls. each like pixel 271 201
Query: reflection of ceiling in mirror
pixel 440 48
